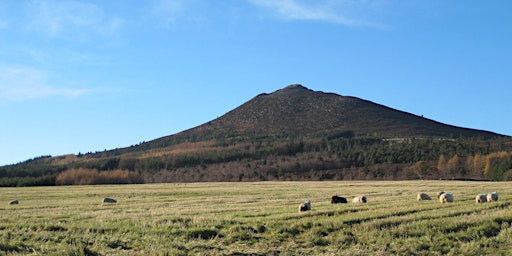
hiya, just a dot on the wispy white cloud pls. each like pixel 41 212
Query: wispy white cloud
pixel 21 83
pixel 350 13
pixel 70 18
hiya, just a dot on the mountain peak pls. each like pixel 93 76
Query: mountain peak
pixel 295 87
pixel 296 109
pixel 292 89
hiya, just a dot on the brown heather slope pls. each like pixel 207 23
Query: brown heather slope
pixel 297 110
pixel 300 110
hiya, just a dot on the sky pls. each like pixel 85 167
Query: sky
pixel 87 76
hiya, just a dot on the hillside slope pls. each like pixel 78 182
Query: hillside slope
pixel 291 134
pixel 297 110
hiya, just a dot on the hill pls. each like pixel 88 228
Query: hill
pixel 291 134
pixel 299 110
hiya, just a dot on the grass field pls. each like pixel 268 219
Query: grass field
pixel 256 219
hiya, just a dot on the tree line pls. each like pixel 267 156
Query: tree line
pixel 340 156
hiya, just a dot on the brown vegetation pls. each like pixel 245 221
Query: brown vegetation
pixel 83 176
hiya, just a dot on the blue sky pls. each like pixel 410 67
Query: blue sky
pixel 85 76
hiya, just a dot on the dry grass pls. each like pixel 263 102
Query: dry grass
pixel 256 219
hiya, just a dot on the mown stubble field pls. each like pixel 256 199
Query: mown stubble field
pixel 259 218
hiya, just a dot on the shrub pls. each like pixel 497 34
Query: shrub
pixel 83 176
